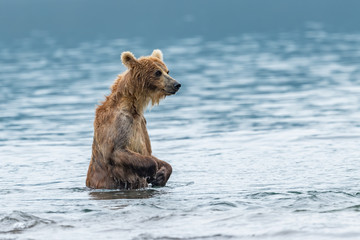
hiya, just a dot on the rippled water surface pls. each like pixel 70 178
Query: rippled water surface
pixel 263 138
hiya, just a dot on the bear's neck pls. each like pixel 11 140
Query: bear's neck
pixel 138 105
pixel 131 104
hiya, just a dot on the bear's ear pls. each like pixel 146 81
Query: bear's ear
pixel 128 59
pixel 158 54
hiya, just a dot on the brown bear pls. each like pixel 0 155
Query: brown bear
pixel 121 151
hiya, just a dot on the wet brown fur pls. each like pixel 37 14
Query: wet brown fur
pixel 121 151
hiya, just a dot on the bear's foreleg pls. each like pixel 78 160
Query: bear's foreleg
pixel 143 166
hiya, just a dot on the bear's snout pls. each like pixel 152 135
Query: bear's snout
pixel 177 86
pixel 171 85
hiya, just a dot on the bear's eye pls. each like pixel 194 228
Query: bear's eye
pixel 158 73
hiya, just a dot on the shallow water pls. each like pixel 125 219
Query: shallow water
pixel 263 138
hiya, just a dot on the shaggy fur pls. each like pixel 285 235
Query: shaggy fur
pixel 121 150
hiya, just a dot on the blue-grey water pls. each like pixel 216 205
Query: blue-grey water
pixel 263 138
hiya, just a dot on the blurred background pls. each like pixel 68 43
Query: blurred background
pixel 157 22
pixel 263 136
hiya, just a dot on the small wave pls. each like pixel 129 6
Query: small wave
pixel 213 237
pixel 19 221
pixel 216 206
pixel 260 195
pixel 229 204
pixel 355 208
pixel 76 189
pixel 181 184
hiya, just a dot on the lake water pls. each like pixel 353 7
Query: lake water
pixel 263 138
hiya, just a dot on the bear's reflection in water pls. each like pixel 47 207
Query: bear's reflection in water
pixel 124 194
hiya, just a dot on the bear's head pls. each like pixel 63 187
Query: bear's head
pixel 148 77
